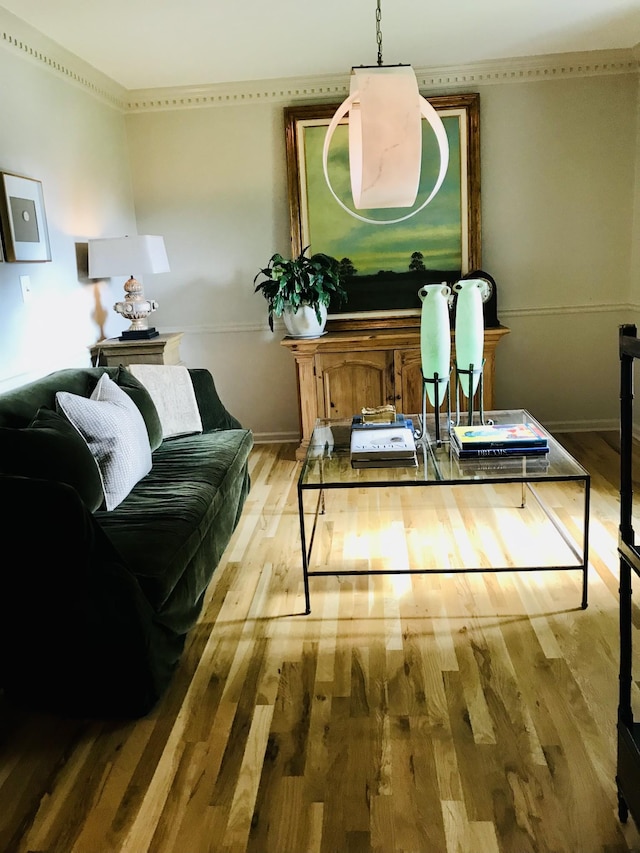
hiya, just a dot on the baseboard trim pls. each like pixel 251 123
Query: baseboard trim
pixel 597 425
pixel 276 437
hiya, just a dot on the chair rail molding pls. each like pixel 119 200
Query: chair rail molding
pixel 559 310
pixel 236 327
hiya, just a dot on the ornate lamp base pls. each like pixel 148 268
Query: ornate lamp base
pixel 136 308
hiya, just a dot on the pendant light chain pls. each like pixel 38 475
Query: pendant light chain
pixel 379 32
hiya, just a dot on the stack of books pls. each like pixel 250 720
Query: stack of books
pixel 382 443
pixel 505 440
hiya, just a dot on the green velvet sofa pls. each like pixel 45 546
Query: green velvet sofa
pixel 95 605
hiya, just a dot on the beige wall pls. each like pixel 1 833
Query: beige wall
pixel 213 181
pixel 559 196
pixel 72 140
pixel 557 162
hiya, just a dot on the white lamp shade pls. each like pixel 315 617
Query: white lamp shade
pixel 127 256
pixel 385 137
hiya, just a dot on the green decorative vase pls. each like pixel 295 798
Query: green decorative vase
pixel 469 329
pixel 435 338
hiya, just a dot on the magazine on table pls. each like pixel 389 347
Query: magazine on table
pixel 383 444
pixel 490 436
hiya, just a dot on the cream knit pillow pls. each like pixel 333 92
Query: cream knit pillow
pixel 111 424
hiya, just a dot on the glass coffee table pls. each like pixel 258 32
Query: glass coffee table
pixel 327 468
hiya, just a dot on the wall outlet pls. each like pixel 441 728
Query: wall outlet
pixel 25 285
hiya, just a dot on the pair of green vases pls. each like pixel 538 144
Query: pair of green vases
pixel 435 336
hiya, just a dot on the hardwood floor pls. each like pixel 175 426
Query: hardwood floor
pixel 436 713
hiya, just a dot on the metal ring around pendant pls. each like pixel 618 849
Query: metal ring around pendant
pixel 431 115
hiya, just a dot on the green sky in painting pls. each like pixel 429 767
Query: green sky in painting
pixel 434 231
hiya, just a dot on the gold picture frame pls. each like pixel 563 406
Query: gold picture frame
pixel 385 262
pixel 23 219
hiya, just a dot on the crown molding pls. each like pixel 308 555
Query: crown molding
pixel 336 87
pixel 31 44
pixel 24 40
pixel 526 69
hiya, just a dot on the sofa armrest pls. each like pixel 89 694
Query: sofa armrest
pixel 76 631
pixel 213 413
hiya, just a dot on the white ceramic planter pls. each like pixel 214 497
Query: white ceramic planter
pixel 303 323
pixel 435 338
pixel 469 328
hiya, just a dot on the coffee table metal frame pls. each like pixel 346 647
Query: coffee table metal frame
pixel 327 466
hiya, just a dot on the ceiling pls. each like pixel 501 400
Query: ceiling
pixel 169 43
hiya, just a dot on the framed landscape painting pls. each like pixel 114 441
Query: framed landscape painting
pixel 384 265
pixel 22 214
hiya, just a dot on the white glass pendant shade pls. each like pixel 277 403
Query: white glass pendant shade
pixel 303 323
pixel 385 137
pixel 469 330
pixel 435 338
pixel 385 141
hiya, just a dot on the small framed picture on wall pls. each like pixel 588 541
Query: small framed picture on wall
pixel 23 219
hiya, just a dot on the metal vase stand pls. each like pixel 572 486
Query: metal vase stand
pixel 421 434
pixel 470 372
pixel 436 381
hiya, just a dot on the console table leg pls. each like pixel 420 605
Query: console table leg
pixel 305 561
pixel 585 541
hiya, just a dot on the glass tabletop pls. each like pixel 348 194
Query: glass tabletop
pixel 328 460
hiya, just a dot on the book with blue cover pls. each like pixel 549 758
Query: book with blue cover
pixel 479 453
pixel 360 422
pixel 470 466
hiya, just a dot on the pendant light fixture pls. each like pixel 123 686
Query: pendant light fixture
pixel 385 138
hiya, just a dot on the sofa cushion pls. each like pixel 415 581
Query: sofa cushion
pixel 50 448
pixel 141 397
pixel 171 390
pixel 192 496
pixel 111 424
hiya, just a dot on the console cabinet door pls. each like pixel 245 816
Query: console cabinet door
pixel 408 381
pixel 347 381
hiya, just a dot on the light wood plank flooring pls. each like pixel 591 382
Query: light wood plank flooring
pixel 440 713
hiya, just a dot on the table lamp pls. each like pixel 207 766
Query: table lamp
pixel 111 256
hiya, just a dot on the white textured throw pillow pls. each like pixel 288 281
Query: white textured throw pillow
pixel 171 390
pixel 111 424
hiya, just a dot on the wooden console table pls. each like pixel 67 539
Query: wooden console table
pixel 112 352
pixel 342 371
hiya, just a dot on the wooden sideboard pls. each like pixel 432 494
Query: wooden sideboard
pixel 342 371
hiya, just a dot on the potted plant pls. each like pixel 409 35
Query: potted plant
pixel 299 291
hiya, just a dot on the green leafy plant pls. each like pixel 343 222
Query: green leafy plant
pixel 303 280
